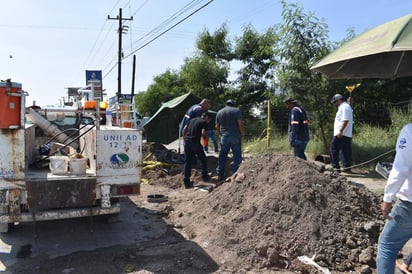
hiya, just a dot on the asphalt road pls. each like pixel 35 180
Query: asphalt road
pixel 58 238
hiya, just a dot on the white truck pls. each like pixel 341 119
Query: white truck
pixel 30 191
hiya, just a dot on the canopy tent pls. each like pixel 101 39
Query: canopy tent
pixel 163 127
pixel 383 52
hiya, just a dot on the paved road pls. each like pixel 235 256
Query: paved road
pixel 58 238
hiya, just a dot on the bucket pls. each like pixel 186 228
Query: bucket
pixel 10 104
pixel 78 166
pixel 59 164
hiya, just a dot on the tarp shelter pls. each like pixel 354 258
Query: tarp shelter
pixel 163 127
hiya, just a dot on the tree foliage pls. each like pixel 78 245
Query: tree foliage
pixel 257 54
pixel 303 40
pixel 205 77
pixel 165 87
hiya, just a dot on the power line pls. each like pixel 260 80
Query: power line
pixel 162 33
pixel 174 16
pixel 92 51
pixel 162 25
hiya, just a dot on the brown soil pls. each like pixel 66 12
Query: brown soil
pixel 274 210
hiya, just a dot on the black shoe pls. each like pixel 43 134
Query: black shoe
pixel 220 178
pixel 189 184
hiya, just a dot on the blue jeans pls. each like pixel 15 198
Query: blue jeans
pixel 396 232
pixel 299 149
pixel 229 143
pixel 338 144
pixel 408 260
pixel 193 150
pixel 211 134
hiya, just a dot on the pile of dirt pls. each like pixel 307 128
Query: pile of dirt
pixel 277 208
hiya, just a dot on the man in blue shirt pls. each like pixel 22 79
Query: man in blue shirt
pixel 194 111
pixel 297 128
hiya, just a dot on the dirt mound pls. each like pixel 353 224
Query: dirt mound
pixel 277 208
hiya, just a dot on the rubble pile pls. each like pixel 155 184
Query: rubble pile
pixel 277 208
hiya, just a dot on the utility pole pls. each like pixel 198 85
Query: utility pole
pixel 119 62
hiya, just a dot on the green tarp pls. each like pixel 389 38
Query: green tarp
pixel 163 127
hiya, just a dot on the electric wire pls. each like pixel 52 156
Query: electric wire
pixel 168 29
pixel 92 51
pixel 163 32
pixel 169 20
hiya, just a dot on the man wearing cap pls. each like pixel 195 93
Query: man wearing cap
pixel 297 128
pixel 342 134
pixel 230 126
pixel 194 111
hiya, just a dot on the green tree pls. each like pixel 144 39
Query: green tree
pixel 303 40
pixel 165 87
pixel 217 45
pixel 205 77
pixel 257 55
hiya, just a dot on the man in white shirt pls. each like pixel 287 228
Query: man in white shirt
pixel 398 227
pixel 342 134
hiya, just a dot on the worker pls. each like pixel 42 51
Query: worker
pixel 397 229
pixel 297 128
pixel 192 132
pixel 230 126
pixel 342 134
pixel 194 111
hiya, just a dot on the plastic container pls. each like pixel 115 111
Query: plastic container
pixel 78 166
pixel 108 118
pixel 59 165
pixel 128 124
pixel 10 105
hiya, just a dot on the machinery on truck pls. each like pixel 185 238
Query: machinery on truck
pixel 49 173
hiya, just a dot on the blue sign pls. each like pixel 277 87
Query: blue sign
pixel 93 75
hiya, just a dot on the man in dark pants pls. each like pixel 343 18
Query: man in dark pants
pixel 192 132
pixel 342 134
pixel 297 128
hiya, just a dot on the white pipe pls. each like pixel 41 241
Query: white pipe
pixel 50 128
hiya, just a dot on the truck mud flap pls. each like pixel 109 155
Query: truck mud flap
pixel 61 193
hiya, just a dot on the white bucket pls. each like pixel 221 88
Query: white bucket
pixel 78 166
pixel 59 164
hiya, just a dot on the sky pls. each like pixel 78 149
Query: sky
pixel 47 45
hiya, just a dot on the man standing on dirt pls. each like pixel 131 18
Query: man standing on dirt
pixel 297 128
pixel 342 134
pixel 192 132
pixel 230 127
pixel 398 227
pixel 194 111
